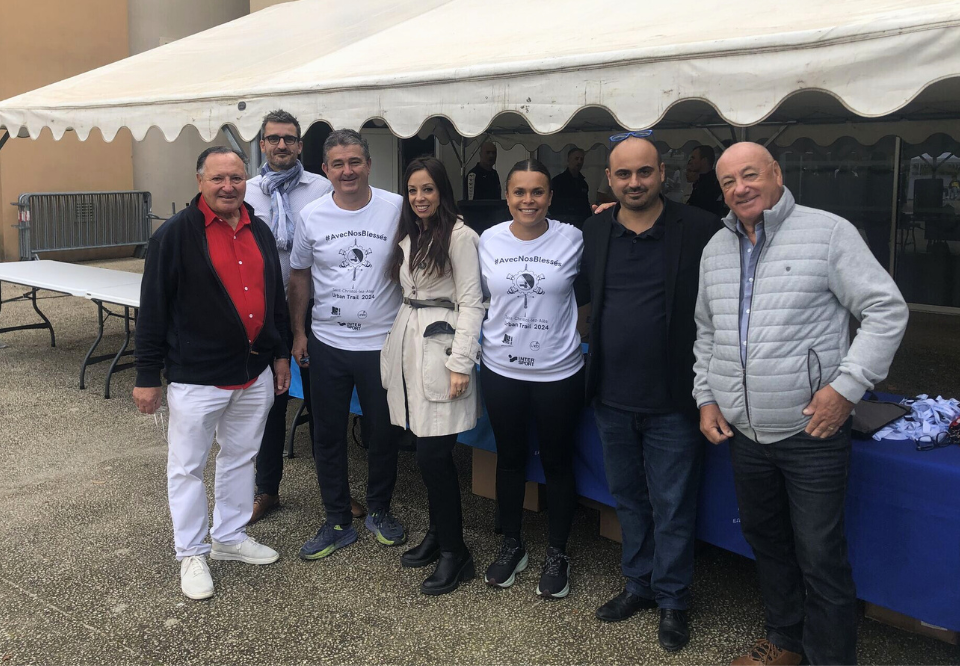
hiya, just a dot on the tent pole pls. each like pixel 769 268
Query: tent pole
pixel 783 128
pixel 897 156
pixel 3 139
pixel 237 143
pixel 715 137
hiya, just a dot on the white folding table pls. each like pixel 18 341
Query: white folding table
pixel 101 285
pixel 127 296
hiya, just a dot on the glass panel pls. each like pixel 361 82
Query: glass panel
pixel 928 226
pixel 848 179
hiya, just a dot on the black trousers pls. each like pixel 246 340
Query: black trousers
pixel 333 375
pixel 435 459
pixel 270 456
pixel 791 495
pixel 555 408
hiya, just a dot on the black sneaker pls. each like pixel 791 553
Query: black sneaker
pixel 555 577
pixel 511 560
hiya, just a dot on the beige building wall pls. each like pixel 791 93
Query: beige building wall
pixel 41 42
pixel 166 170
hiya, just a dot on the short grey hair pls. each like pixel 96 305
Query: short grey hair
pixel 218 150
pixel 345 137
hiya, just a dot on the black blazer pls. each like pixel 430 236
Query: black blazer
pixel 686 231
pixel 187 323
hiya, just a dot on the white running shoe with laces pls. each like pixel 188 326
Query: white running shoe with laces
pixel 247 551
pixel 195 580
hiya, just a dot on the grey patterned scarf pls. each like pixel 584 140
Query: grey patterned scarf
pixel 276 184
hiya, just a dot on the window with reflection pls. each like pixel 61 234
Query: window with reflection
pixel 848 179
pixel 928 224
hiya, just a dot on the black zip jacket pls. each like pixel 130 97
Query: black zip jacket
pixel 187 323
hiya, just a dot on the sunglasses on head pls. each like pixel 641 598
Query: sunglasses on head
pixel 639 134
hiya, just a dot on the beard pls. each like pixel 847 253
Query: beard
pixel 645 203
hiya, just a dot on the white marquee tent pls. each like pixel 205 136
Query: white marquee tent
pixel 540 66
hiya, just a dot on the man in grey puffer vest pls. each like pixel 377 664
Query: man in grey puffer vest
pixel 777 376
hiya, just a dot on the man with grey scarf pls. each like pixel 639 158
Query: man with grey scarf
pixel 277 195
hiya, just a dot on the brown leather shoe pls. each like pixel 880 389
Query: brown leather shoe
pixel 764 653
pixel 262 505
pixel 357 509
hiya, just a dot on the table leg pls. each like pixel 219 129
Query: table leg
pixel 32 297
pixel 123 349
pixel 297 420
pixel 33 300
pixel 93 347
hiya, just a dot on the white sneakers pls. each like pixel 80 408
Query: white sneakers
pixel 195 580
pixel 247 551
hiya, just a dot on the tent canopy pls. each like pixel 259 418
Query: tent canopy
pixel 544 61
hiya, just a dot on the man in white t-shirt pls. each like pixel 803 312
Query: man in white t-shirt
pixel 277 194
pixel 345 241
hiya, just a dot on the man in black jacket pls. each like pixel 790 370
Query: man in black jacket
pixel 640 273
pixel 214 317
pixel 706 189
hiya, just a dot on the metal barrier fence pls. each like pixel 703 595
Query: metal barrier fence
pixel 50 221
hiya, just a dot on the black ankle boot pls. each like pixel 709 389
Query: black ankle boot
pixel 452 569
pixel 423 554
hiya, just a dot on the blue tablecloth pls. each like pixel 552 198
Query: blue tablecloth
pixel 903 514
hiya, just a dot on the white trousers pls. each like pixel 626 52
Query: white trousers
pixel 237 418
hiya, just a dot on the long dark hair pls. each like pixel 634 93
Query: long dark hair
pixel 430 246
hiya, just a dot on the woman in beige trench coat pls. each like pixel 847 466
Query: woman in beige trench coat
pixel 428 363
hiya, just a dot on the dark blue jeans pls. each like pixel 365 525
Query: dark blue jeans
pixel 653 464
pixel 791 496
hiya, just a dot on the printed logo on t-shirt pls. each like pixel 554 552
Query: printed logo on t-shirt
pixel 362 314
pixel 351 325
pixel 507 340
pixel 525 283
pixel 535 346
pixel 334 311
pixel 355 258
pixel 521 360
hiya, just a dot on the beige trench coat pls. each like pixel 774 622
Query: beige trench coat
pixel 426 362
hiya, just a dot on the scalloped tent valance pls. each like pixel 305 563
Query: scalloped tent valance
pixel 406 61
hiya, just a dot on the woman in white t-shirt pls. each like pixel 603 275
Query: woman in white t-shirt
pixel 428 362
pixel 532 367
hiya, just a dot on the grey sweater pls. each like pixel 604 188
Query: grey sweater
pixel 814 271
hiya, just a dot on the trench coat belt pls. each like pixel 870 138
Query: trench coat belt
pixel 445 303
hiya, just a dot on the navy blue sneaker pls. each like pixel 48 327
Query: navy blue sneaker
pixel 386 528
pixel 555 578
pixel 328 539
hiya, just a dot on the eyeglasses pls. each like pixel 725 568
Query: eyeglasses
pixel 288 139
pixel 930 442
pixel 638 134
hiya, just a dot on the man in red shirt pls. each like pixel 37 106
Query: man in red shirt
pixel 213 316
